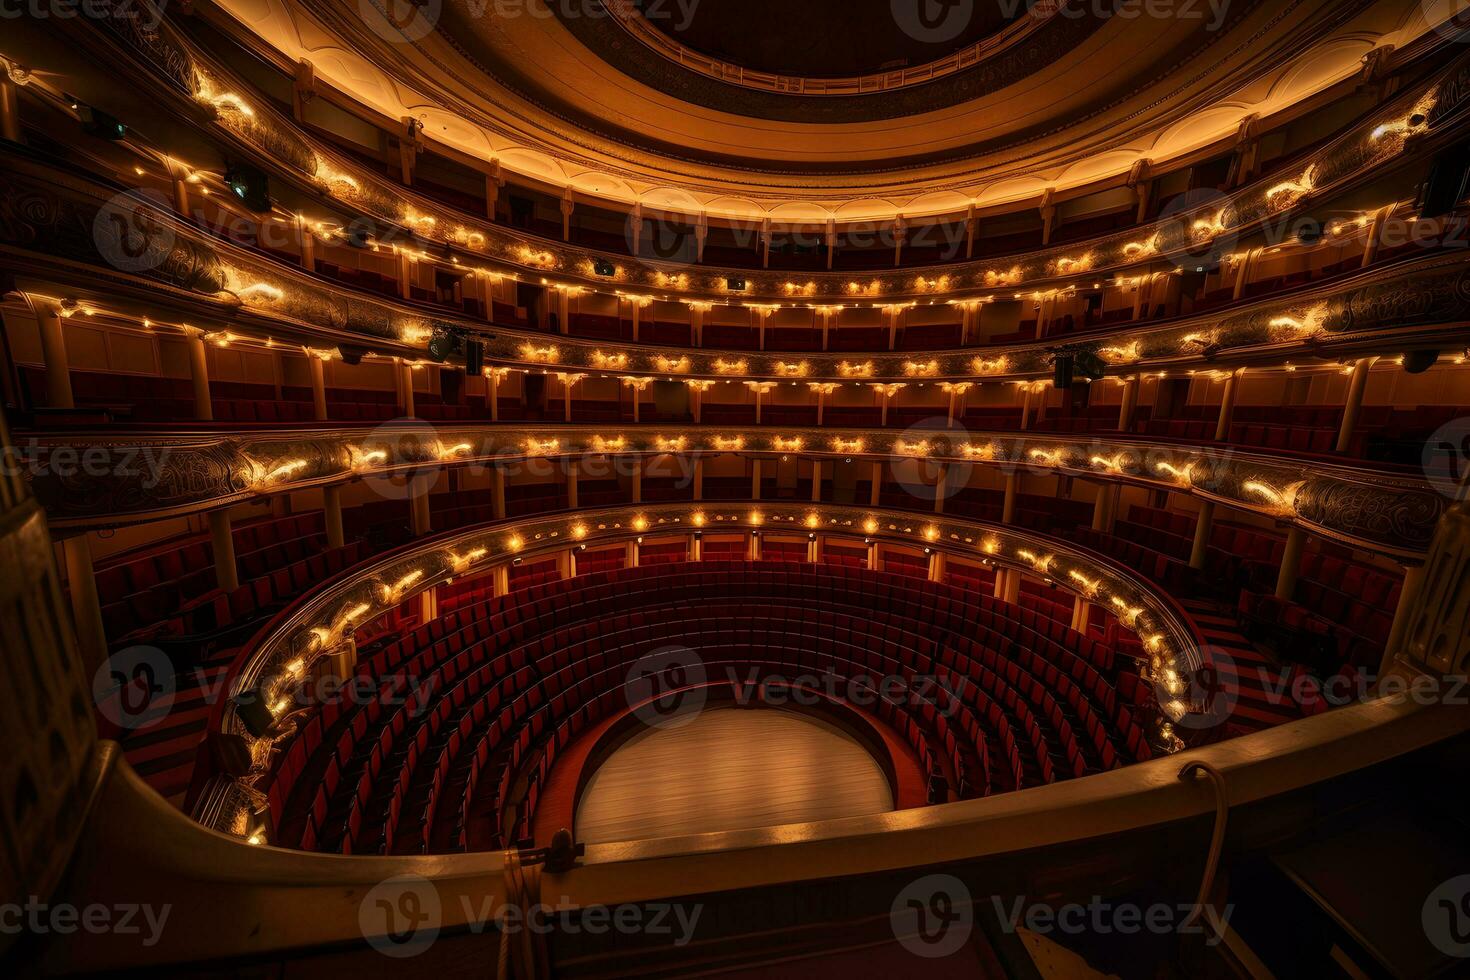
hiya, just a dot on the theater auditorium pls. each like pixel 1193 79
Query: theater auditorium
pixel 765 489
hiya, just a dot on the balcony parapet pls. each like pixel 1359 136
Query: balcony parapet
pixel 95 480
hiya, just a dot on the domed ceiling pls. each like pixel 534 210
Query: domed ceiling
pixel 784 109
pixel 827 38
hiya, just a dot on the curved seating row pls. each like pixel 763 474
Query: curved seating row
pixel 505 683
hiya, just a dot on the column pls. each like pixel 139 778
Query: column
pixel 405 276
pixel 1357 385
pixel 567 382
pixel 1105 507
pixel 222 538
pixel 696 546
pixel 1128 409
pixel 816 481
pixel 332 516
pixel 419 510
pixel 563 310
pixel 637 480
pixel 501 577
pixel 1375 235
pixel 429 605
pixel 754 550
pixel 936 566
pixel 407 390
pixel 572 474
pixel 9 107
pixel 567 206
pixel 1227 405
pixel 764 317
pixel 1079 614
pixel 637 309
pixel 696 323
pixel 941 488
pixel 826 316
pixel 53 350
pixel 1026 407
pixel 1202 530
pixel 317 368
pixel 873 556
pixel 876 491
pixel 632 556
pixel 755 479
pixel 497 492
pixel 1243 271
pixel 199 375
pixel 86 608
pixel 814 549
pixel 492 195
pixel 307 242
pixel 699 478
pixel 1008 508
pixel 1408 595
pixel 1291 564
pixel 494 398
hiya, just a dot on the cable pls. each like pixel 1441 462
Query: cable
pixel 1217 837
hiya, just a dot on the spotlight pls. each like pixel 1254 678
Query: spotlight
pixel 253 712
pixel 604 268
pixel 736 284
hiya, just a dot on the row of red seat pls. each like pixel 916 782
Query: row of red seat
pixel 518 622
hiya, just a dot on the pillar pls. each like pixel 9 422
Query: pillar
pixel 307 242
pixel 1008 508
pixel 637 391
pixel 1357 385
pixel 572 473
pixel 317 368
pixel 332 516
pixel 1227 406
pixel 86 608
pixel 941 488
pixel 497 492
pixel 53 350
pixel 936 566
pixel 1242 273
pixel 566 398
pixel 875 493
pixel 764 317
pixel 816 481
pixel 1291 564
pixel 494 398
pixel 1026 407
pixel 637 480
pixel 696 325
pixel 429 605
pixel 1375 235
pixel 755 479
pixel 419 510
pixel 1128 409
pixel 1105 509
pixel 9 108
pixel 406 391
pixel 563 311
pixel 501 579
pixel 1203 527
pixel 696 546
pixel 873 557
pixel 814 549
pixel 631 556
pixel 222 538
pixel 199 376
pixel 636 310
pixel 1080 612
pixel 405 276
pixel 1408 595
pixel 699 478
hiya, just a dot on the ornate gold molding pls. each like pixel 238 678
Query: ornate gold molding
pixel 140 477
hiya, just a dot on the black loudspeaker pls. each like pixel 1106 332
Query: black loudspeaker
pixel 101 124
pixel 474 357
pixel 671 398
pixel 1309 232
pixel 1063 376
pixel 533 391
pixel 1090 366
pixel 735 284
pixel 1419 361
pixel 253 712
pixel 250 185
pixel 604 268
pixel 359 234
pixel 350 354
pixel 1448 183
